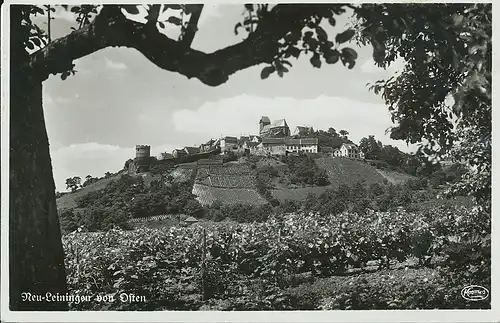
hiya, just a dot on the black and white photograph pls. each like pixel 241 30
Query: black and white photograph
pixel 239 159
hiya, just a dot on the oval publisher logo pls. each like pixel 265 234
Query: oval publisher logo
pixel 475 293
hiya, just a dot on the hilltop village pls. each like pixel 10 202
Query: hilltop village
pixel 274 139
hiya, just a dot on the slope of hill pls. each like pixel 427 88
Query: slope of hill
pixel 297 194
pixel 346 171
pixel 395 177
pixel 68 201
pixel 231 183
pixel 207 195
pixel 236 182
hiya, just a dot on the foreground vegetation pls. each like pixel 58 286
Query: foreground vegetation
pixel 294 261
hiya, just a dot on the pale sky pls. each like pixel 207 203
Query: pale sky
pixel 118 99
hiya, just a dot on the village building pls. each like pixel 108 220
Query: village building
pixel 209 145
pixel 301 131
pixel 228 143
pixel 349 151
pixel 177 153
pixel 165 155
pixel 192 150
pixel 306 145
pixel 282 146
pixel 256 139
pixel 277 129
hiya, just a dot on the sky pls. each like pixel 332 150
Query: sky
pixel 119 99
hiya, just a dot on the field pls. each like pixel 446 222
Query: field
pixel 298 261
pixel 230 184
pixel 346 171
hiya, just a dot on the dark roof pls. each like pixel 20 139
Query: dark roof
pixel 326 149
pixel 252 144
pixel 166 155
pixel 231 139
pixel 303 141
pixel 265 119
pixel 350 146
pixel 273 141
pixel 209 143
pixel 192 150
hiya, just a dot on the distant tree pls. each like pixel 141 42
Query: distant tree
pixel 370 147
pixel 127 163
pixel 69 221
pixel 331 131
pixel 344 133
pixel 73 183
pixel 89 180
pixel 391 155
pixel 194 208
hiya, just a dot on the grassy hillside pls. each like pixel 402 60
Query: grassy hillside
pixel 68 201
pixel 236 182
pixel 347 171
pixel 395 177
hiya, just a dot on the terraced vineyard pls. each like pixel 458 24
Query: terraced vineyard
pixel 207 195
pixel 346 171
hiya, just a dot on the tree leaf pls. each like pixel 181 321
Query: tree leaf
pixel 322 36
pixel 266 71
pixel 345 36
pixel 175 20
pixel 307 35
pixel 294 51
pixel 315 60
pixel 238 25
pixel 349 52
pixel 162 25
pixel 332 56
pixel 64 75
pixel 77 8
pixel 131 9
pixel 332 21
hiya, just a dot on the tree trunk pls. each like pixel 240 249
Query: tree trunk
pixel 36 254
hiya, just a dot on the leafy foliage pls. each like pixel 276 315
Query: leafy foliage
pixel 304 171
pixel 255 259
pixel 447 54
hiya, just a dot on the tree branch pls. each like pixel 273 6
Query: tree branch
pixel 111 29
pixel 192 26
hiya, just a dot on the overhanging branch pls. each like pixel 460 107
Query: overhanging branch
pixel 111 29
